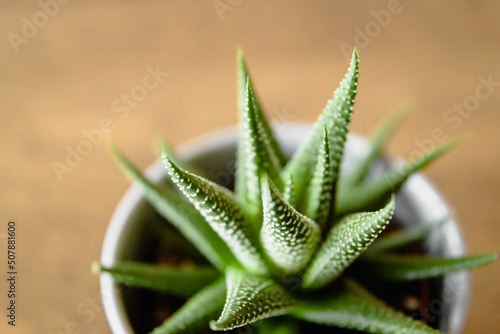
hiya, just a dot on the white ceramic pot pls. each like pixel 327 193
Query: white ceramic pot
pixel 127 237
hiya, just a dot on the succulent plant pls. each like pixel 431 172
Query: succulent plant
pixel 280 249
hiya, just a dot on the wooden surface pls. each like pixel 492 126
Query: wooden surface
pixel 67 77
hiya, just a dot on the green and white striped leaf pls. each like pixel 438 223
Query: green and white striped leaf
pixel 288 237
pixel 217 205
pixel 373 194
pixel 406 268
pixel 195 315
pixel 251 298
pixel 351 306
pixel 402 238
pixel 162 145
pixel 344 243
pixel 256 157
pixel 336 116
pixel 378 141
pixel 321 195
pixel 243 76
pixel 176 210
pixel 289 191
pixel 181 282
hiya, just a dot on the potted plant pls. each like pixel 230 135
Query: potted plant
pixel 295 244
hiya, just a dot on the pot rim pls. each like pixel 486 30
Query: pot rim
pixel 456 286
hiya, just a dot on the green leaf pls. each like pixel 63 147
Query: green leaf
pixel 256 157
pixel 345 242
pixel 321 194
pixel 402 238
pixel 162 145
pixel 405 268
pixel 351 306
pixel 289 191
pixel 182 282
pixel 378 141
pixel 372 194
pixel 288 237
pixel 195 314
pixel 336 116
pixel 217 205
pixel 243 77
pixel 169 203
pixel 278 325
pixel 250 298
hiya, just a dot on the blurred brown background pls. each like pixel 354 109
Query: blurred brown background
pixel 66 65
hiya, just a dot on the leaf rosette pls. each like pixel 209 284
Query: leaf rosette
pixel 289 219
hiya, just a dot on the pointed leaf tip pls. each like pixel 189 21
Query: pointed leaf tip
pixel 191 318
pixel 182 282
pixel 96 268
pixel 288 237
pixel 379 138
pixel 392 267
pixel 239 52
pixel 258 153
pixel 219 208
pixel 345 242
pixel 169 165
pixel 404 237
pixel 321 194
pixel 337 117
pixel 169 204
pixel 250 298
pixel 110 145
pixel 370 195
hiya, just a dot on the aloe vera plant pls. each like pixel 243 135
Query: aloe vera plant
pixel 279 248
